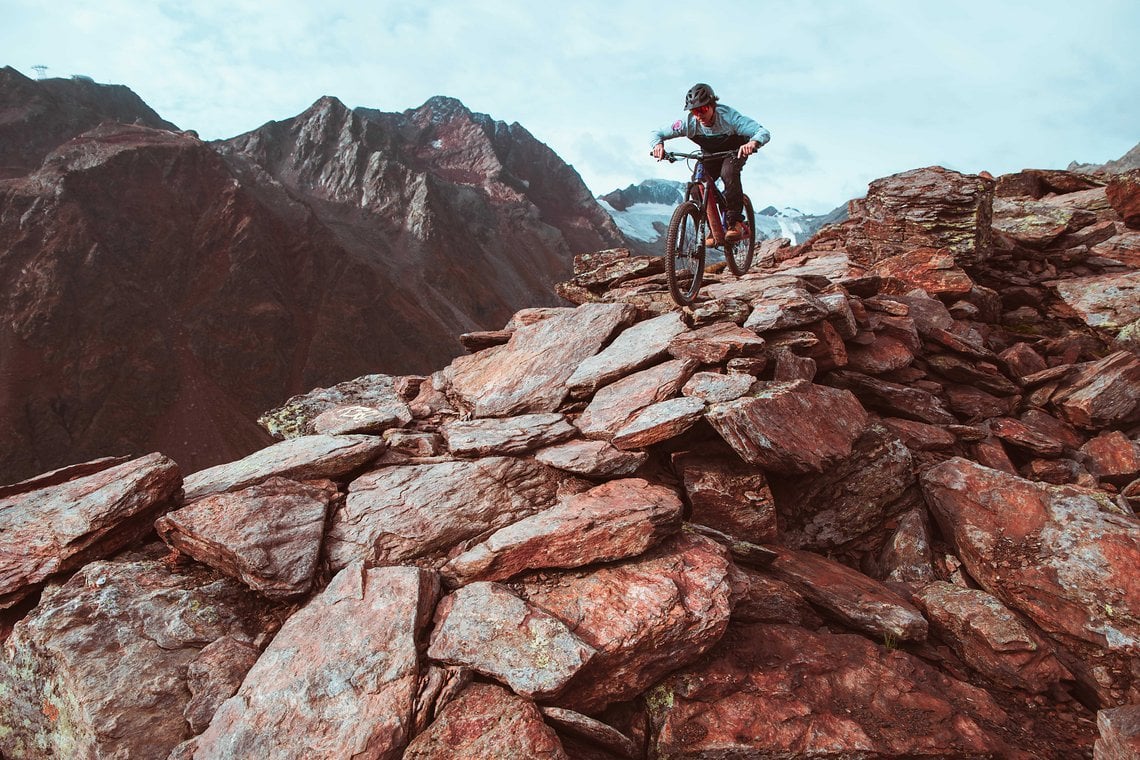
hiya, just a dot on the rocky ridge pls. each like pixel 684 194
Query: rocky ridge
pixel 876 498
pixel 158 292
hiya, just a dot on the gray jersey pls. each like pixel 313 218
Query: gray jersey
pixel 728 123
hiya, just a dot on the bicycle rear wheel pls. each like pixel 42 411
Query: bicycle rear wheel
pixel 738 255
pixel 685 254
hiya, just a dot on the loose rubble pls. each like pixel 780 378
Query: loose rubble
pixel 875 498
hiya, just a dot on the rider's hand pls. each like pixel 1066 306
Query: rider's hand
pixel 659 151
pixel 747 149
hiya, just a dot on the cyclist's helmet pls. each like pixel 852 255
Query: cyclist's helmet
pixel 699 95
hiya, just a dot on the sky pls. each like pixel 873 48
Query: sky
pixel 851 90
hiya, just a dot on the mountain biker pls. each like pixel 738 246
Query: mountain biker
pixel 716 127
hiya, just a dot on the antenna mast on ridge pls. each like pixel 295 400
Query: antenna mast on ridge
pixel 41 70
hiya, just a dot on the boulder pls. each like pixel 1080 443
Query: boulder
pixel 636 347
pixel 268 536
pixel 342 672
pixel 795 427
pixel 485 627
pixel 645 617
pixel 508 435
pixel 100 667
pixel 1054 554
pixel 55 528
pixel 613 406
pixel 529 373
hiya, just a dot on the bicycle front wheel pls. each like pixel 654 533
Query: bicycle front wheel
pixel 685 254
pixel 738 255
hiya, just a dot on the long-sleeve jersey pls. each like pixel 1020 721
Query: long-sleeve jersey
pixel 730 129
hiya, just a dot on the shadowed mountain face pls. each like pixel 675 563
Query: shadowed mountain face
pixel 152 283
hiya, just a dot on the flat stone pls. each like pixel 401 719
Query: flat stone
pixel 268 536
pixel 634 348
pixel 659 422
pixel 59 527
pixel 309 457
pixel 529 373
pixel 894 399
pixel 487 628
pixel 342 672
pixel 592 459
pixel 856 599
pixel 616 404
pixel 714 387
pixel 716 343
pixel 1103 394
pixel 792 427
pixel 506 435
pixel 785 308
pixel 1113 456
pixel 618 519
pixel 355 418
pixel 934 270
pixel 402 514
pixel 1107 302
pixel 1119 733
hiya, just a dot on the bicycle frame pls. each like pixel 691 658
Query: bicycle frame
pixel 703 211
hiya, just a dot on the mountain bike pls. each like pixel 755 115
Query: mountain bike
pixel 702 215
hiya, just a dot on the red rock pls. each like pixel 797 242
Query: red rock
pixel 714 387
pixel 215 675
pixel 636 347
pixel 973 404
pixel 345 420
pixel 659 422
pixel 716 343
pixel 990 637
pixel 487 722
pixel 857 600
pixel 268 536
pixel 616 404
pixel 1112 456
pixel 343 672
pixel 790 367
pixel 613 521
pixel 894 399
pixel 759 598
pixel 1103 394
pixel 1106 302
pixel 1026 437
pixel 100 667
pixel 779 691
pixel 933 270
pixel 1051 553
pixel 886 354
pixel 59 527
pixel 645 616
pixel 592 459
pixel 784 308
pixel 506 435
pixel 1035 224
pixel 931 207
pixel 487 628
pixel 593 731
pixel 791 427
pixel 728 495
pixel 396 515
pixel 848 499
pixel 529 373
pixel 1119 733
pixel 1123 192
pixel 918 436
pixel 907 558
pixel 311 457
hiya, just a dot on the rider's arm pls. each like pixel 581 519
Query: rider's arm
pixel 740 124
pixel 679 128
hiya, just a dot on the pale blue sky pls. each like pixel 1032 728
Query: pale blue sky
pixel 851 91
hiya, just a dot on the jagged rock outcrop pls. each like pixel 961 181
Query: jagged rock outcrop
pixel 838 508
pixel 159 293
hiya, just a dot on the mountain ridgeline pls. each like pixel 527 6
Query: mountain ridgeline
pixel 158 292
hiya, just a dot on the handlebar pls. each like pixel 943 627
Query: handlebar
pixel 672 157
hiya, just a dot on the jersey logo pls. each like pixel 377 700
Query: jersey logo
pixel 677 125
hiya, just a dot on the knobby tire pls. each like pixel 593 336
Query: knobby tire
pixel 685 253
pixel 738 255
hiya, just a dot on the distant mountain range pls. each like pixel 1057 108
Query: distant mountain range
pixel 642 213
